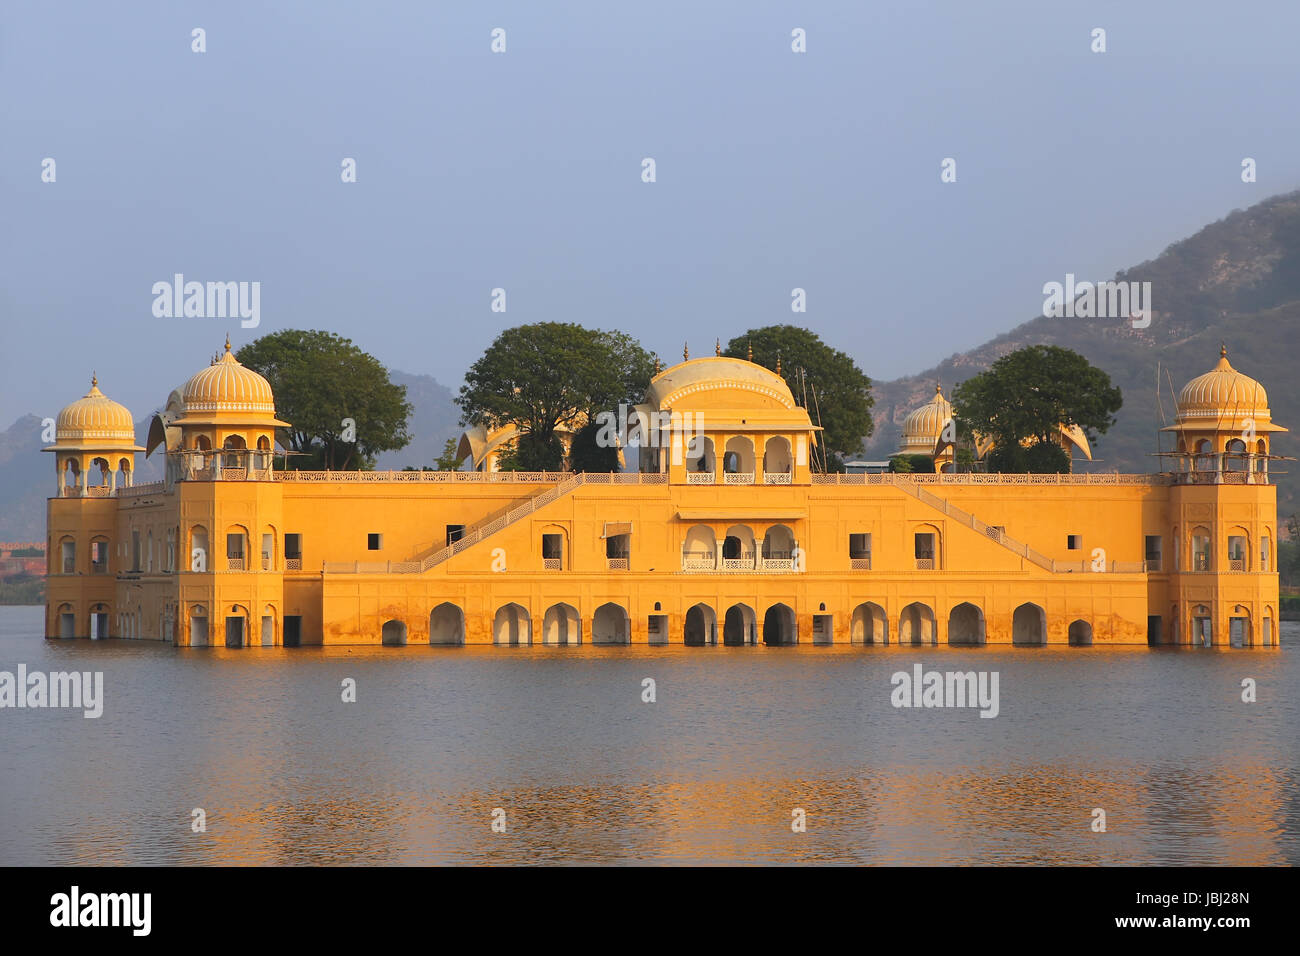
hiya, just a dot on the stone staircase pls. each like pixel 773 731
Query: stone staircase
pixel 992 532
pixel 485 527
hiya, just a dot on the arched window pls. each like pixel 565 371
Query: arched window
pixel 738 461
pixel 778 546
pixel 198 548
pixel 98 475
pixel 1236 455
pixel 236 548
pixel 926 547
pixel 99 555
pixel 699 549
pixel 738 548
pixel 702 463
pixel 1238 549
pixel 268 548
pixel 71 477
pixel 777 461
pixel 1204 460
pixel 234 447
pixel 1201 549
pixel 553 548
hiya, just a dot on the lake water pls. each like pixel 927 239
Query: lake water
pixel 586 772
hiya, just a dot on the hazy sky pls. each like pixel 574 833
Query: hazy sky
pixel 522 170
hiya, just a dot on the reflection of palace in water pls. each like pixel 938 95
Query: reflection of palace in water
pixel 728 537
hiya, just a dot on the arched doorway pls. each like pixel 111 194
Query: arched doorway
pixel 1080 634
pixel 393 633
pixel 1239 634
pixel 447 625
pixel 611 625
pixel 236 626
pixel 98 622
pixel 778 626
pixel 916 624
pixel 561 626
pixel 739 626
pixel 701 626
pixel 198 626
pixel 966 625
pixel 512 626
pixel 1029 626
pixel 869 624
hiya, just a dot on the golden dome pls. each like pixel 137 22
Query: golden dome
pixel 923 426
pixel 95 418
pixel 1223 393
pixel 736 382
pixel 227 386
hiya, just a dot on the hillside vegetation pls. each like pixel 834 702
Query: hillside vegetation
pixel 1237 280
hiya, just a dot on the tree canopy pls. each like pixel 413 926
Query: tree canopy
pixel 319 380
pixel 448 460
pixel 1021 400
pixel 548 374
pixel 843 392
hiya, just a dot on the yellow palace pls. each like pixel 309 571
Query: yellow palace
pixel 733 539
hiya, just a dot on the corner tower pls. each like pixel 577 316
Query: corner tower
pixel 94 446
pixel 1223 512
pixel 1224 428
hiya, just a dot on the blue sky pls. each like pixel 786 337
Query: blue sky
pixel 522 170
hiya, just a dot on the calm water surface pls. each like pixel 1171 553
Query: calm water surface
pixel 588 773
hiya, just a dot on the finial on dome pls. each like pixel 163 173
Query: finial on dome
pixel 717 347
pixel 778 363
pixel 938 389
pixel 94 380
pixel 227 341
pixel 686 351
pixel 750 356
pixel 1223 350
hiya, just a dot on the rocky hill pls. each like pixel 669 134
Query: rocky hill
pixel 1236 281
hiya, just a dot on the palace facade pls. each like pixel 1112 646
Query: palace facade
pixel 729 536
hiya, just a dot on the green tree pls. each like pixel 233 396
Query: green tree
pixel 1023 398
pixel 587 454
pixel 548 374
pixel 1040 458
pixel 319 380
pixel 824 379
pixel 448 460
